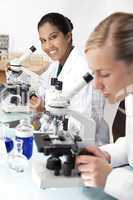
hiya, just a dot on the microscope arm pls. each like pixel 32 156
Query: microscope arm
pixel 88 128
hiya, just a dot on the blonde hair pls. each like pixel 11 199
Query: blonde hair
pixel 117 28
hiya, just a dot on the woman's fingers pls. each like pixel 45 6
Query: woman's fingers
pixel 36 104
pixel 95 151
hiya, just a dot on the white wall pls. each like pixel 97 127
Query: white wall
pixel 19 18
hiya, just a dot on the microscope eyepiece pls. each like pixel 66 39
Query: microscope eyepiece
pixel 58 85
pixel 87 77
pixel 33 49
pixel 54 81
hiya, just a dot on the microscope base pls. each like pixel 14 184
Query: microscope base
pixel 45 178
pixel 13 108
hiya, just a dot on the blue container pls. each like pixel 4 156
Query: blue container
pixel 9 144
pixel 27 147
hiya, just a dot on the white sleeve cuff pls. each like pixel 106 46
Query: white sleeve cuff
pixel 117 152
pixel 119 183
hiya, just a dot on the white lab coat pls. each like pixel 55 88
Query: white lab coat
pixel 120 180
pixel 74 68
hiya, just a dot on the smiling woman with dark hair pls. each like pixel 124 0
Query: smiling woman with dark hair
pixel 55 34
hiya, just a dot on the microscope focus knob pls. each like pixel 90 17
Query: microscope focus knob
pixel 15 100
pixel 54 163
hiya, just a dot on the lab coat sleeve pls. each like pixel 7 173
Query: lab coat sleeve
pixel 117 152
pixel 119 183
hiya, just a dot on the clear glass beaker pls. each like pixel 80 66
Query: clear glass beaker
pixel 18 161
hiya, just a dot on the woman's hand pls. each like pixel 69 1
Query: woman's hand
pixel 36 104
pixel 94 169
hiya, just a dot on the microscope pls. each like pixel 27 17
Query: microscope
pixel 61 146
pixel 14 95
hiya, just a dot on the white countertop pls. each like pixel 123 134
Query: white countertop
pixel 20 186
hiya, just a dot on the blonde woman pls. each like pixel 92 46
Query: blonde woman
pixel 109 51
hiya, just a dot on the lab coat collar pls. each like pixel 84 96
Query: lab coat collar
pixel 68 64
pixel 129 105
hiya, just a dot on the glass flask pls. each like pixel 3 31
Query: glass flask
pixel 18 161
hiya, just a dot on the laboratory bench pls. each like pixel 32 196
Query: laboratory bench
pixel 14 185
pixel 20 185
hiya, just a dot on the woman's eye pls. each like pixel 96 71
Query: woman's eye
pixel 42 41
pixel 53 37
pixel 105 75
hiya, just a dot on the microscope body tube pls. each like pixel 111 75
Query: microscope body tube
pixel 26 55
pixel 82 82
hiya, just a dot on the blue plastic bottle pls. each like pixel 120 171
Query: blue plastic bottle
pixel 24 131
